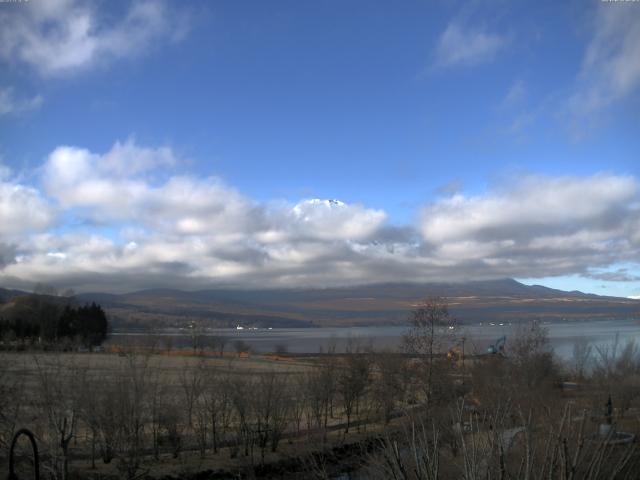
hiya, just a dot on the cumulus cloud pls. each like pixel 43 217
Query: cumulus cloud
pixel 121 186
pixel 534 205
pixel 61 36
pixel 611 64
pixel 459 45
pixel 333 219
pixel 10 103
pixel 22 210
pixel 175 223
pixel 132 218
pixel 538 226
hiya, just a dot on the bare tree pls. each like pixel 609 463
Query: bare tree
pixel 430 334
pixel 218 399
pixel 533 372
pixel 299 400
pixel 581 356
pixel 116 409
pixel 132 386
pixel 201 421
pixel 530 339
pixel 389 384
pixel 242 391
pixel 89 412
pixel 104 416
pixel 270 409
pixel 59 401
pixel 172 424
pixel 191 383
pixel 320 392
pixel 352 382
pixel 418 459
pixel 156 393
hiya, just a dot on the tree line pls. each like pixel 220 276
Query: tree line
pixel 37 319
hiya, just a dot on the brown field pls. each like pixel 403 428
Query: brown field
pixel 136 412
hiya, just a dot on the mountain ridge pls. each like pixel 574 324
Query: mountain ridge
pixel 373 304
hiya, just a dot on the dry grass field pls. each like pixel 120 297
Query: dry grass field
pixel 136 412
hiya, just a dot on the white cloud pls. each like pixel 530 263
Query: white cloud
pixel 118 186
pixel 533 204
pixel 62 36
pixel 332 219
pixel 74 178
pixel 196 229
pixel 22 210
pixel 130 218
pixel 113 185
pixel 126 159
pixel 10 103
pixel 571 222
pixel 611 64
pixel 466 46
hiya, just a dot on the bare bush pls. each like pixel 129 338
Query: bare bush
pixel 499 445
pixel 580 358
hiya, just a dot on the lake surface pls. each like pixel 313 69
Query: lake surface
pixel 562 335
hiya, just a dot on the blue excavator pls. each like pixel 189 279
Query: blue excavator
pixel 497 348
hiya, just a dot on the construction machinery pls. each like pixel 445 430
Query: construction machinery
pixel 497 348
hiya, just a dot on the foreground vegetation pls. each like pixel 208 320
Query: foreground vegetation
pixel 416 414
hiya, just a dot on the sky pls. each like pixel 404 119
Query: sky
pixel 224 144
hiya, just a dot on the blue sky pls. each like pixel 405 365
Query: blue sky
pixel 197 144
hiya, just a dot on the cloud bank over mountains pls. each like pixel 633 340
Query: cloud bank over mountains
pixel 132 217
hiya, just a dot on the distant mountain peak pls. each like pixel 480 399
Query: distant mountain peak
pixel 331 202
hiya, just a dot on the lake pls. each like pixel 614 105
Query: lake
pixel 562 336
